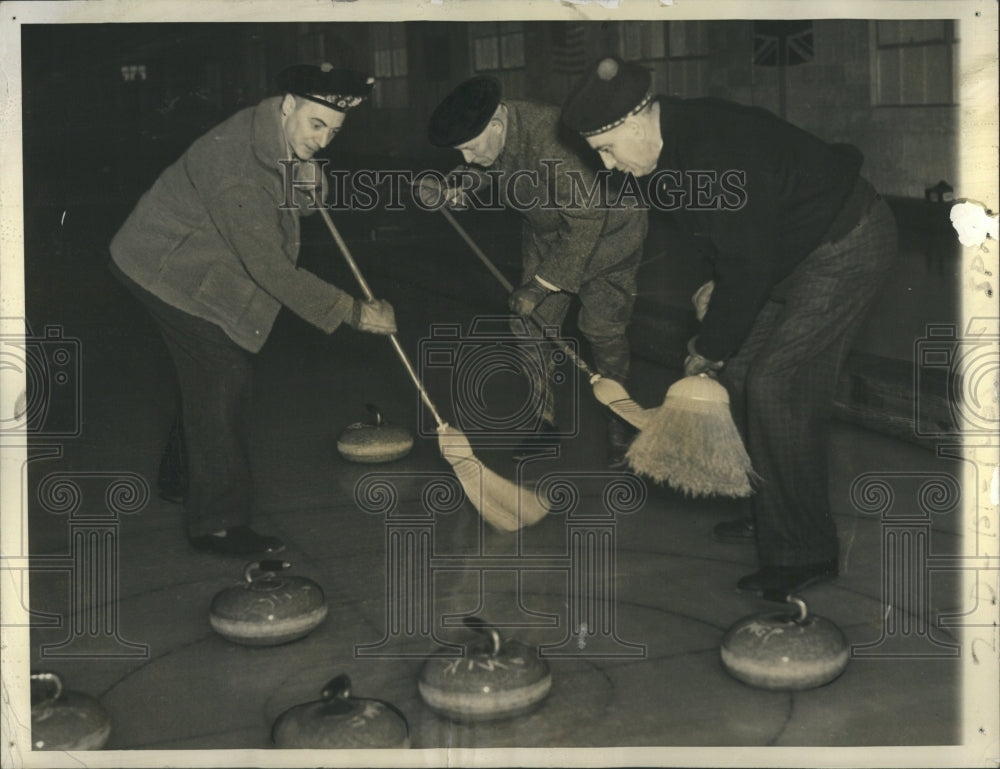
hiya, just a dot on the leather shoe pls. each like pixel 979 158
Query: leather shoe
pixel 781 580
pixel 238 540
pixel 737 532
pixel 534 444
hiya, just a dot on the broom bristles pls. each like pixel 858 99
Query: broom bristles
pixel 502 503
pixel 694 446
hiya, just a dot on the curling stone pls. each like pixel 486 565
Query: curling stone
pixel 65 720
pixel 375 441
pixel 339 721
pixel 267 608
pixel 495 678
pixel 785 650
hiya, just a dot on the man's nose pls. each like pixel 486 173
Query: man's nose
pixel 467 156
pixel 328 137
pixel 609 161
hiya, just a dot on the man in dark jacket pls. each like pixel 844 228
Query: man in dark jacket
pixel 571 245
pixel 799 243
pixel 210 251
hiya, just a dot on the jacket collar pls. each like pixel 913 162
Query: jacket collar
pixel 267 135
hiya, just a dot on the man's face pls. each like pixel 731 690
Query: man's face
pixel 309 126
pixel 485 148
pixel 626 148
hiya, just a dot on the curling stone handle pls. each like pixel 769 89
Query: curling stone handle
pixel 374 411
pixel 55 686
pixel 338 688
pixel 803 609
pixel 485 628
pixel 257 568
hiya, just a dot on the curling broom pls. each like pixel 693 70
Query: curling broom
pixel 609 392
pixel 499 501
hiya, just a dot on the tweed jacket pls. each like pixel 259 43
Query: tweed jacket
pixel 210 237
pixel 570 239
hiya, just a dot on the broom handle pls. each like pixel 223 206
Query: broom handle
pixel 366 290
pixel 570 353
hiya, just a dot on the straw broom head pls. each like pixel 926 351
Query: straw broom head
pixel 692 443
pixel 502 503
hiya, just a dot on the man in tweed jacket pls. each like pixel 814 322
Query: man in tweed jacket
pixel 210 251
pixel 571 246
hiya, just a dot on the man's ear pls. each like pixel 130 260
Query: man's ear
pixel 288 104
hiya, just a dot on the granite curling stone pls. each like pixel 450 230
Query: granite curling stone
pixel 65 720
pixel 494 679
pixel 376 441
pixel 339 721
pixel 785 651
pixel 268 608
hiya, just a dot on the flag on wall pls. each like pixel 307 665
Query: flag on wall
pixel 782 43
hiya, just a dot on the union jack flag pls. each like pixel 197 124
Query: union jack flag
pixel 782 43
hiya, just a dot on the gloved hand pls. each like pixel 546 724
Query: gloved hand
pixel 525 299
pixel 375 317
pixel 433 195
pixel 701 298
pixel 695 363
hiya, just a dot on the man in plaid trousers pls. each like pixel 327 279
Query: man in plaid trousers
pixel 799 244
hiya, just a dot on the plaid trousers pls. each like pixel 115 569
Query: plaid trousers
pixel 782 383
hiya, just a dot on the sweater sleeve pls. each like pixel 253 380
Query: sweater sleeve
pixel 253 226
pixel 746 243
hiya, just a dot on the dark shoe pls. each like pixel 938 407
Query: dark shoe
pixel 737 532
pixel 782 580
pixel 545 438
pixel 172 478
pixel 238 540
pixel 620 437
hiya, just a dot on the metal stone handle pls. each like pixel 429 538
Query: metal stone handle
pixel 803 609
pixel 484 628
pixel 56 685
pixel 338 688
pixel 259 568
pixel 374 411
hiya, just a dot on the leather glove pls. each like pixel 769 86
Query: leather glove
pixel 433 195
pixel 701 298
pixel 375 317
pixel 525 299
pixel 695 363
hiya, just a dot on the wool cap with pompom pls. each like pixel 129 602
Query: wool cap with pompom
pixel 338 89
pixel 465 112
pixel 606 96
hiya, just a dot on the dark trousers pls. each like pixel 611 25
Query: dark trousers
pixel 215 378
pixel 606 309
pixel 782 383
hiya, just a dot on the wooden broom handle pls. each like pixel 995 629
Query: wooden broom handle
pixel 569 351
pixel 366 290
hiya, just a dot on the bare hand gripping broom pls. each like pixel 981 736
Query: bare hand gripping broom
pixel 609 392
pixel 499 501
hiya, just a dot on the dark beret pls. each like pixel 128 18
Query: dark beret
pixel 338 89
pixel 611 91
pixel 464 113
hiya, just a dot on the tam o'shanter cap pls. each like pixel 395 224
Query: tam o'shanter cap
pixel 338 89
pixel 606 96
pixel 464 113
